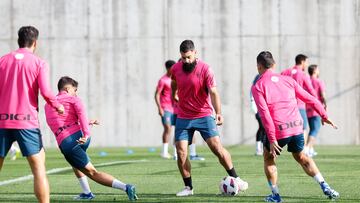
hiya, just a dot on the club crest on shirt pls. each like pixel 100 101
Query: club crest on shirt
pixel 293 71
pixel 275 79
pixel 19 56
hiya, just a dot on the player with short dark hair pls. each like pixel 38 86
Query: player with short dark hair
pixel 276 100
pixel 73 137
pixel 22 75
pixel 194 83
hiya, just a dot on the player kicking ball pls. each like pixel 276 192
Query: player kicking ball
pixel 194 84
pixel 275 96
pixel 72 134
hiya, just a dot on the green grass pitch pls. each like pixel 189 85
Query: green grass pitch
pixel 158 180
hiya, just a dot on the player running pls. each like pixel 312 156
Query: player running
pixel 73 137
pixel 194 83
pixel 22 75
pixel 298 74
pixel 167 109
pixel 313 117
pixel 276 99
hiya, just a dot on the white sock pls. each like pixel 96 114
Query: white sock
pixel 175 154
pixel 311 150
pixel 192 149
pixel 118 184
pixel 274 188
pixel 258 146
pixel 165 149
pixel 84 184
pixel 319 178
pixel 306 150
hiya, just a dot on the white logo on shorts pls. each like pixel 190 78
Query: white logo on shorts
pixel 275 79
pixel 19 56
pixel 293 71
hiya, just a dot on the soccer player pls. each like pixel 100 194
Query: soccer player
pixel 260 133
pixel 194 83
pixel 298 74
pixel 276 99
pixel 73 137
pixel 313 117
pixel 22 75
pixel 167 109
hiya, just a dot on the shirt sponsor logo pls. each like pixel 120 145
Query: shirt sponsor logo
pixel 17 117
pixel 275 79
pixel 19 56
pixel 293 71
pixel 290 124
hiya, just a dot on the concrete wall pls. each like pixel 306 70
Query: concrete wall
pixel 116 50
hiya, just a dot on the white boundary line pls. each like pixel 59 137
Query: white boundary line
pixel 59 170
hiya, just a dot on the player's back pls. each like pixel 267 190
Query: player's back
pixel 280 98
pixel 19 71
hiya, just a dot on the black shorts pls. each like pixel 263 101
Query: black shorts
pixel 295 144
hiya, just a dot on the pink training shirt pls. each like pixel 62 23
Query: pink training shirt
pixel 22 74
pixel 164 88
pixel 74 117
pixel 302 79
pixel 275 97
pixel 193 90
pixel 319 87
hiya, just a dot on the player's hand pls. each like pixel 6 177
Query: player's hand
pixel 329 122
pixel 176 98
pixel 60 109
pixel 275 149
pixel 219 119
pixel 161 112
pixel 94 122
pixel 82 140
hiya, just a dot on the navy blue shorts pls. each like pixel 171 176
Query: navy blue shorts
pixel 315 124
pixel 185 128
pixel 304 117
pixel 168 118
pixel 29 141
pixel 73 152
pixel 295 144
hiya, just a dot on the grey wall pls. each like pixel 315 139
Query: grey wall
pixel 116 50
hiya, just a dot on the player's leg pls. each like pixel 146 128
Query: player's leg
pixel 296 147
pixel 30 143
pixel 305 124
pixel 183 135
pixel 166 121
pixel 6 140
pixel 76 155
pixel 259 136
pixel 84 184
pixel 270 170
pixel 108 180
pixel 209 132
pixel 315 124
pixel 192 151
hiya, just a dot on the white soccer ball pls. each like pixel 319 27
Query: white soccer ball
pixel 229 186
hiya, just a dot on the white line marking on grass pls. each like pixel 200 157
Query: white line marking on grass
pixel 59 170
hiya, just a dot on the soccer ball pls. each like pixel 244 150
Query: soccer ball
pixel 229 186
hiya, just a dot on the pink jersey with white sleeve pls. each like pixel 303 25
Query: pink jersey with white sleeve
pixel 275 97
pixel 73 120
pixel 193 90
pixel 319 87
pixel 164 88
pixel 22 74
pixel 302 79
